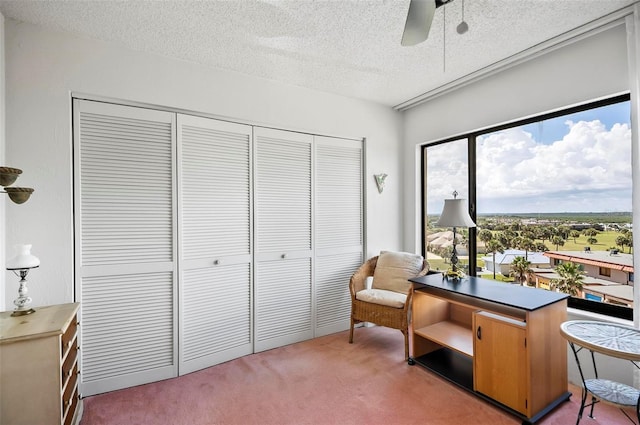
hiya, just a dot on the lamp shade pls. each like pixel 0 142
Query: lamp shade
pixel 24 259
pixel 455 214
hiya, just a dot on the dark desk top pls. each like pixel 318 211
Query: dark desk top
pixel 489 290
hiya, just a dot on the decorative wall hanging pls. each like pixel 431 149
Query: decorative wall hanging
pixel 380 178
pixel 8 176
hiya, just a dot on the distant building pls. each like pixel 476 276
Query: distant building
pixel 612 266
pixel 503 260
pixel 608 274
pixel 445 240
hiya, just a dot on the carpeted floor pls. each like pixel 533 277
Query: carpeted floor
pixel 322 381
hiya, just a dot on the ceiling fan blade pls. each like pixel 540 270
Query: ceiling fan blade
pixel 419 18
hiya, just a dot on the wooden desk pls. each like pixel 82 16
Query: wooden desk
pixel 610 339
pixel 498 340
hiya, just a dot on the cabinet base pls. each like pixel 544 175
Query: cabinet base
pixel 458 369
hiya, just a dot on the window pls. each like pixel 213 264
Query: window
pixel 558 183
pixel 446 167
pixel 605 271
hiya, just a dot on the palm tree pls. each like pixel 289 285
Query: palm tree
pixel 570 280
pixel 541 247
pixel 520 269
pixel 492 247
pixel 574 234
pixel 625 239
pixel 590 232
pixel 557 241
pixel 485 235
pixel 564 231
pixel 528 245
pixel 523 243
pixel 543 233
pixel 503 239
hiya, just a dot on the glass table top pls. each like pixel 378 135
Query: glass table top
pixel 603 337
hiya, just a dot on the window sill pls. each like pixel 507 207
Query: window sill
pixel 577 314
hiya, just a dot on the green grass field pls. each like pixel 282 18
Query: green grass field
pixel 606 241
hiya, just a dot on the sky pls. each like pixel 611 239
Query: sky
pixel 574 163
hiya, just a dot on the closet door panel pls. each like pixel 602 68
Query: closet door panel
pixel 283 303
pixel 283 215
pixel 125 244
pixel 339 227
pixel 214 160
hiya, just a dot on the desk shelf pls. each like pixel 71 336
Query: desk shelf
pixel 449 334
pixel 451 365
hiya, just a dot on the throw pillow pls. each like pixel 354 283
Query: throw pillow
pixel 394 269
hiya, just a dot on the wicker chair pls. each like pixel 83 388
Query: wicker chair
pixel 382 315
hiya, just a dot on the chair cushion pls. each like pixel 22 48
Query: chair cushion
pixel 382 297
pixel 394 269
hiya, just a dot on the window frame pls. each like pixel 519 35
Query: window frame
pixel 573 302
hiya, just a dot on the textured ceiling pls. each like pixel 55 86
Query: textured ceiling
pixel 349 47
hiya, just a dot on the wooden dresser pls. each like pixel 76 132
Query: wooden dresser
pixel 39 367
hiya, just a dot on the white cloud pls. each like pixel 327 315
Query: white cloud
pixel 589 169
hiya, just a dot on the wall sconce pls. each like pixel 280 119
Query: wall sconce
pixel 19 195
pixel 380 178
pixel 20 266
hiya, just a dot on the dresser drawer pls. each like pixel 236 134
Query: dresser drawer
pixel 68 336
pixel 69 368
pixel 71 405
pixel 69 394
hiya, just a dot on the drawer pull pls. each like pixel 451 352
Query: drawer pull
pixel 283 256
pixel 216 262
pixel 479 332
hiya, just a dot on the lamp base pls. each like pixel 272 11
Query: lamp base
pixel 22 312
pixel 452 274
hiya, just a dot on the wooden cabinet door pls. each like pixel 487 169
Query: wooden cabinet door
pixel 499 361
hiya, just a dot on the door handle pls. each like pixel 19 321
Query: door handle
pixel 479 332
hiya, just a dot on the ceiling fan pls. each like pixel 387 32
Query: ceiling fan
pixel 419 18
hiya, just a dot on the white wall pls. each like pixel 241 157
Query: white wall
pixel 43 68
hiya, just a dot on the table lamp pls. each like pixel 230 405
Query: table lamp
pixel 454 214
pixel 20 266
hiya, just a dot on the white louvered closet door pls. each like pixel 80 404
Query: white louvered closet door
pixel 283 246
pixel 125 244
pixel 338 230
pixel 214 161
